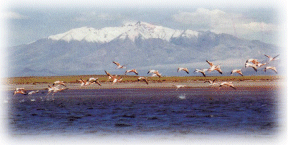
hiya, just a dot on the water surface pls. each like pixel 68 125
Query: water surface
pixel 145 111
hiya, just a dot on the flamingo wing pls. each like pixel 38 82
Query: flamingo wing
pixel 210 63
pixel 118 64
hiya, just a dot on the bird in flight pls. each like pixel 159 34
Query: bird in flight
pixel 237 71
pixel 33 92
pixel 211 82
pixel 89 81
pixel 251 65
pixel 114 78
pixel 201 71
pixel 131 70
pixel 214 67
pixel 183 69
pixel 272 58
pixel 59 83
pixel 270 67
pixel 229 84
pixel 179 86
pixel 20 91
pixel 143 79
pixel 118 65
pixel 155 73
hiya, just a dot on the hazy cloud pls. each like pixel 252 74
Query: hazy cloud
pixel 12 15
pixel 222 22
pixel 92 16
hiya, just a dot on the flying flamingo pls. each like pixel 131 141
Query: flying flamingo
pixel 211 82
pixel 155 73
pixel 261 64
pixel 151 71
pixel 179 86
pixel 33 92
pixel 201 71
pixel 236 71
pixel 254 61
pixel 270 67
pixel 118 65
pixel 251 65
pixel 54 89
pixel 183 69
pixel 114 78
pixel 272 58
pixel 94 80
pixel 131 70
pixel 109 75
pixel 83 82
pixel 20 91
pixel 59 82
pixel 214 67
pixel 89 81
pixel 229 84
pixel 143 79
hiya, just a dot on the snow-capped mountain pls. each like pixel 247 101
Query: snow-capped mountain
pixel 140 45
pixel 131 31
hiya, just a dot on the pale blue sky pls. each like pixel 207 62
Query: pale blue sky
pixel 29 21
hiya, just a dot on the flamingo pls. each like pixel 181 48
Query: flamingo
pixel 59 82
pixel 143 79
pixel 155 73
pixel 109 75
pixel 272 58
pixel 158 74
pixel 229 84
pixel 118 65
pixel 151 71
pixel 179 86
pixel 213 67
pixel 115 79
pixel 236 71
pixel 83 82
pixel 33 92
pixel 89 81
pixel 270 67
pixel 54 89
pixel 211 82
pixel 261 64
pixel 254 61
pixel 183 69
pixel 131 70
pixel 20 91
pixel 94 80
pixel 201 71
pixel 251 65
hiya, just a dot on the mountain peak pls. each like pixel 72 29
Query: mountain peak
pixel 131 30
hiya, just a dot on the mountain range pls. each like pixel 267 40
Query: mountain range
pixel 139 45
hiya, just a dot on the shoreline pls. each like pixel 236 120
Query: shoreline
pixel 274 84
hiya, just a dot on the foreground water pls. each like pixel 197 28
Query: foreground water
pixel 145 111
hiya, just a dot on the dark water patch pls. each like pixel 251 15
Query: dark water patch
pixel 129 116
pixel 73 118
pixel 122 125
pixel 152 118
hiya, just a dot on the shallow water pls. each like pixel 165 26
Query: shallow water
pixel 145 111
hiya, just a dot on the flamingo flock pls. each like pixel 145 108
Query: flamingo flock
pixel 59 86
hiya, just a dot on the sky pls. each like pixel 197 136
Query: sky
pixel 29 21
